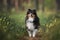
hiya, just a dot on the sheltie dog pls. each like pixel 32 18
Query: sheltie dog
pixel 32 22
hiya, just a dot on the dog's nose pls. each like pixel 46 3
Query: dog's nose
pixel 30 15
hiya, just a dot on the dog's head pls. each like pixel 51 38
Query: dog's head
pixel 31 13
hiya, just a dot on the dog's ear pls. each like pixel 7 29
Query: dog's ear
pixel 29 9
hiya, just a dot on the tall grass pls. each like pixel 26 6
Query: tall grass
pixel 12 27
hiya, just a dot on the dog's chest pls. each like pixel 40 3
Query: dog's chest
pixel 30 23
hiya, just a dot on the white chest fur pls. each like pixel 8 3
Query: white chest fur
pixel 30 24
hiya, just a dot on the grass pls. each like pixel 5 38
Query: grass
pixel 16 29
pixel 20 17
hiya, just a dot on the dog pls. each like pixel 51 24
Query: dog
pixel 32 22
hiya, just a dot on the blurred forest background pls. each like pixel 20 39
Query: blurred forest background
pixel 12 19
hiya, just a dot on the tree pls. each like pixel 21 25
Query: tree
pixel 36 4
pixel 58 8
pixel 43 5
pixel 20 4
pixel 16 5
pixel 1 5
pixel 5 5
pixel 9 5
pixel 58 4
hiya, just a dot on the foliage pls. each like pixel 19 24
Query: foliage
pixel 52 31
pixel 9 29
pixel 50 4
pixel 12 26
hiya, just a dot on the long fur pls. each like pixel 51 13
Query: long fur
pixel 36 19
pixel 32 27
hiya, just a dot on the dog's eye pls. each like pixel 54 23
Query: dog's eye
pixel 33 15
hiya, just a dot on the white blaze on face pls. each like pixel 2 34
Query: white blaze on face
pixel 29 15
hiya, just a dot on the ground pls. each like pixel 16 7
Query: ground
pixel 48 25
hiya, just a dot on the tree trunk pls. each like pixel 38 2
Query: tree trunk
pixel 20 4
pixel 27 1
pixel 58 5
pixel 36 4
pixel 58 9
pixel 16 5
pixel 5 5
pixel 12 3
pixel 9 5
pixel 1 5
pixel 42 5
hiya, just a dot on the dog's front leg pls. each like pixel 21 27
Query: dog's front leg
pixel 34 32
pixel 30 34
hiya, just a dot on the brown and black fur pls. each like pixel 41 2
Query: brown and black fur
pixel 36 19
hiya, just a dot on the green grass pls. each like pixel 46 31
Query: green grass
pixel 20 17
pixel 15 27
pixel 47 20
